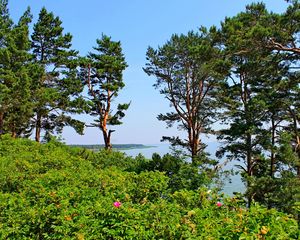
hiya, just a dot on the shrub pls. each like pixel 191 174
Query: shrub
pixel 49 191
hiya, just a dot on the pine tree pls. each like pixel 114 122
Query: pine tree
pixel 103 76
pixel 5 28
pixel 57 92
pixel 260 102
pixel 244 109
pixel 15 74
pixel 188 72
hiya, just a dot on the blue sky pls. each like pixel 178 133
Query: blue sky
pixel 137 24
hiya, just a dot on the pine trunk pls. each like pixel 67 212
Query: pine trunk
pixel 298 153
pixel 106 137
pixel 272 168
pixel 249 163
pixel 105 132
pixel 1 122
pixel 249 155
pixel 13 131
pixel 38 127
pixel 195 148
pixel 297 139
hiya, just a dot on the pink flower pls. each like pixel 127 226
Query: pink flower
pixel 117 204
pixel 219 204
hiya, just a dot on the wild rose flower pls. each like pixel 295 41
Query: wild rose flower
pixel 219 204
pixel 117 204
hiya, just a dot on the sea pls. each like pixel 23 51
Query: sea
pixel 231 184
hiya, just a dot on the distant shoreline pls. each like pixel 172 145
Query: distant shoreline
pixel 115 146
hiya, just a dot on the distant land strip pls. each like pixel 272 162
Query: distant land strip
pixel 115 146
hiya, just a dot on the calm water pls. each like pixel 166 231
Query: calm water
pixel 233 185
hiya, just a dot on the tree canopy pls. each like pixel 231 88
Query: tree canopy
pixel 188 71
pixel 103 76
pixel 239 81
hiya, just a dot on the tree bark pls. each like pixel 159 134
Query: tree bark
pixel 1 122
pixel 38 126
pixel 272 167
pixel 106 137
pixel 298 153
pixel 272 44
pixel 13 131
pixel 106 133
pixel 195 145
pixel 297 139
pixel 249 155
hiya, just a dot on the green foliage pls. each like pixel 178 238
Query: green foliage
pixel 182 174
pixel 57 91
pixel 51 191
pixel 39 84
pixel 260 102
pixel 102 73
pixel 188 69
pixel 16 107
pixel 106 158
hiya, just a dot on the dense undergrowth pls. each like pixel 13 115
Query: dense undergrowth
pixel 51 191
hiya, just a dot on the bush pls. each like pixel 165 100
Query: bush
pixel 182 174
pixel 49 191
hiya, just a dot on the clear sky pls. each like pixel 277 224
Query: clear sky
pixel 137 24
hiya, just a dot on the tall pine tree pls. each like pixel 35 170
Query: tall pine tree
pixel 103 76
pixel 15 74
pixel 5 28
pixel 57 91
pixel 187 70
pixel 260 102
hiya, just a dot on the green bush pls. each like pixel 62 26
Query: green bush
pixel 182 174
pixel 50 191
